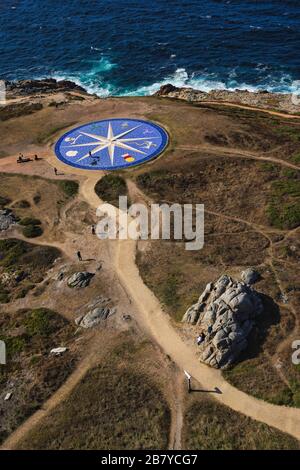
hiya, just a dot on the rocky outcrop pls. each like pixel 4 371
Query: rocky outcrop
pixel 261 99
pixel 250 276
pixel 7 219
pixel 45 86
pixel 80 279
pixel 94 317
pixel 12 278
pixel 225 313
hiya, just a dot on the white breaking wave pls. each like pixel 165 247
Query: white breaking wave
pixel 209 82
pixel 95 82
pixel 179 79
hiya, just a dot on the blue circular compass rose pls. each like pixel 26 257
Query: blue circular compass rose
pixel 111 144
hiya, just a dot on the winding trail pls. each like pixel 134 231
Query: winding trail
pixel 154 320
pixel 234 153
pixel 159 325
pixel 249 108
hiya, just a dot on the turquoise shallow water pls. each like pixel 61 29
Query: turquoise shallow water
pixel 133 46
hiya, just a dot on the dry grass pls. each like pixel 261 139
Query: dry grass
pixel 233 187
pixel 116 406
pixel 178 276
pixel 22 266
pixel 30 374
pixel 45 199
pixel 212 426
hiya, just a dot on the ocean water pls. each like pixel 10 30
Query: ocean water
pixel 131 47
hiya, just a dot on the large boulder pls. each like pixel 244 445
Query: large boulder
pixel 250 276
pixel 7 219
pixel 80 279
pixel 166 89
pixel 94 317
pixel 225 313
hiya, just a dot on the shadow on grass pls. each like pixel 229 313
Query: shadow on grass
pixel 215 390
pixel 257 338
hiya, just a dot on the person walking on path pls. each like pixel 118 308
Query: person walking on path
pixel 79 256
pixel 55 171
pixel 93 230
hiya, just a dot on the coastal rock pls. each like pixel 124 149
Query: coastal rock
pixel 48 85
pixel 225 313
pixel 94 317
pixel 261 99
pixel 166 89
pixel 7 219
pixel 80 279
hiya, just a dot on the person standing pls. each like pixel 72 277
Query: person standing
pixel 55 171
pixel 200 338
pixel 79 256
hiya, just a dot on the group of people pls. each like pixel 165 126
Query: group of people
pixel 22 159
pixel 95 159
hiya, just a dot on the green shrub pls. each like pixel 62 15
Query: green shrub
pixel 38 322
pixel 24 291
pixel 290 173
pixel 43 322
pixel 293 133
pixel 11 251
pixel 285 398
pixel 283 210
pixel 30 221
pixel 37 198
pixel 296 398
pixel 296 158
pixel 69 187
pixel 267 166
pixel 284 216
pixel 40 257
pixel 4 201
pixel 32 231
pixel 286 187
pixel 23 204
pixel 14 345
pixel 4 297
pixel 110 187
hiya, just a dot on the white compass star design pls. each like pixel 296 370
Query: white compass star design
pixel 110 142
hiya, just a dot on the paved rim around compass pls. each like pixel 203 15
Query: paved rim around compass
pixel 111 144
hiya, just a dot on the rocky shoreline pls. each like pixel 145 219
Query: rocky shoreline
pixel 21 88
pixel 28 96
pixel 263 99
